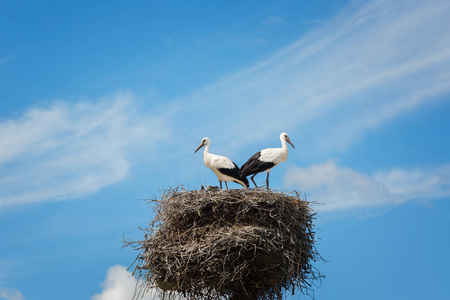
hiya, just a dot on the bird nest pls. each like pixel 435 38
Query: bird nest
pixel 228 244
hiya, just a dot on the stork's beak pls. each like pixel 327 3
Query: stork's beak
pixel 289 141
pixel 201 145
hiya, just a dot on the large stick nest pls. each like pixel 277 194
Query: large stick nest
pixel 228 244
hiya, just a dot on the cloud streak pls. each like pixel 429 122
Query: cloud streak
pixel 120 285
pixel 343 188
pixel 369 64
pixel 10 294
pixel 4 60
pixel 275 20
pixel 71 150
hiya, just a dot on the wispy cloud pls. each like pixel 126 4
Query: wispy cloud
pixel 368 65
pixel 10 294
pixel 371 63
pixel 275 20
pixel 121 285
pixel 343 188
pixel 4 60
pixel 70 150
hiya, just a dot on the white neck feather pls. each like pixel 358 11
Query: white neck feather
pixel 283 143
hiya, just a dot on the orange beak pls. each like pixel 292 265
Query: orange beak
pixel 201 145
pixel 289 141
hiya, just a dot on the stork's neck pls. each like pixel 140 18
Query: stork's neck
pixel 207 156
pixel 283 144
pixel 206 151
pixel 284 150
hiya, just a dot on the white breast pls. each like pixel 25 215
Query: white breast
pixel 273 155
pixel 217 161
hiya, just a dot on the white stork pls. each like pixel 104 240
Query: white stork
pixel 222 166
pixel 266 159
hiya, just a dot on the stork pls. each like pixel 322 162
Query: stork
pixel 266 159
pixel 225 169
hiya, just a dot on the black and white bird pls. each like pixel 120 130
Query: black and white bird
pixel 266 159
pixel 225 169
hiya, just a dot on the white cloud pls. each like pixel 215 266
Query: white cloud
pixel 373 62
pixel 4 60
pixel 120 285
pixel 424 183
pixel 70 150
pixel 275 20
pixel 343 188
pixel 10 294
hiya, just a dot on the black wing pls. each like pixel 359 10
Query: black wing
pixel 254 165
pixel 234 172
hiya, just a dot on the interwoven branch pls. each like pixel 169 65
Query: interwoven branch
pixel 228 244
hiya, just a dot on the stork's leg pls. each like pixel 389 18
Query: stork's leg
pixel 267 180
pixel 226 185
pixel 220 184
pixel 253 180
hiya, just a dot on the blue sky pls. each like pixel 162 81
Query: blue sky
pixel 103 104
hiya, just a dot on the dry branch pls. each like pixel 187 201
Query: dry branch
pixel 228 244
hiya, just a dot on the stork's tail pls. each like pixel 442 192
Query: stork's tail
pixel 244 170
pixel 243 175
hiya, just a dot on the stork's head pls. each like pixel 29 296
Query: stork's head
pixel 284 137
pixel 205 142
